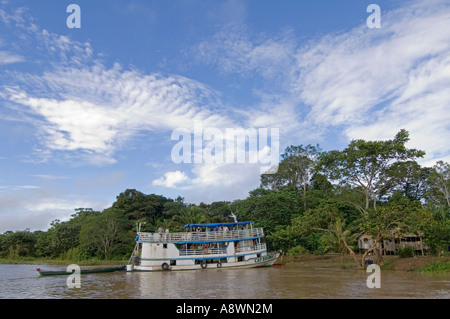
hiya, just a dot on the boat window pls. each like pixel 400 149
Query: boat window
pixel 164 245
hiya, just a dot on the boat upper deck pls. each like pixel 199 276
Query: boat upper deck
pixel 202 236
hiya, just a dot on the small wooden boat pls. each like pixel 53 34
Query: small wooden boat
pixel 82 271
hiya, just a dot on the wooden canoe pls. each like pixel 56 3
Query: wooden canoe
pixel 82 271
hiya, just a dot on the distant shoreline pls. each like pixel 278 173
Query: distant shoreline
pixel 391 263
pixel 59 262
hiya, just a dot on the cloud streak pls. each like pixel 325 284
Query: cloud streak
pixel 365 83
pixel 83 109
pixel 97 110
pixel 362 83
pixel 372 82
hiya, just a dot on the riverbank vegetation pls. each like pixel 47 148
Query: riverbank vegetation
pixel 318 202
pixel 424 264
pixel 440 266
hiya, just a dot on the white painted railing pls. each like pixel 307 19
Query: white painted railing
pixel 208 251
pixel 192 237
pixel 219 251
pixel 244 249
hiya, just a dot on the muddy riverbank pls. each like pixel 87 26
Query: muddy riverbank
pixel 392 263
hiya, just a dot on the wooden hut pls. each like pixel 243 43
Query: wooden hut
pixel 390 246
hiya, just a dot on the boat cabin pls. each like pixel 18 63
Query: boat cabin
pixel 200 245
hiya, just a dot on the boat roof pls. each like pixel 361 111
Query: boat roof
pixel 216 224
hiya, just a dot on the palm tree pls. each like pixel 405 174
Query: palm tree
pixel 338 238
pixel 192 215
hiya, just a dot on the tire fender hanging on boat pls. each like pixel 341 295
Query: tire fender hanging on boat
pixel 219 264
pixel 204 264
pixel 165 266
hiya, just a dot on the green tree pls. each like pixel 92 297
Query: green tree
pixel 398 217
pixel 437 235
pixel 157 222
pixel 284 237
pixel 408 177
pixel 340 237
pixel 64 236
pixel 174 207
pixel 330 219
pixel 44 243
pixel 192 215
pixel 137 205
pixel 19 244
pixel 294 171
pixel 362 164
pixel 439 182
pixel 105 233
pixel 219 211
pixel 268 208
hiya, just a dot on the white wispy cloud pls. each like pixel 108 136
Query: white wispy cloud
pixel 373 82
pixel 17 187
pixel 35 206
pixel 49 177
pixel 83 110
pixel 8 58
pixel 236 50
pixel 265 62
pixel 367 83
pixel 171 179
pixel 213 182
pixel 39 209
pixel 86 110
pixel 95 110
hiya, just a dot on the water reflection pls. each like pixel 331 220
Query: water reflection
pixel 203 284
pixel 289 282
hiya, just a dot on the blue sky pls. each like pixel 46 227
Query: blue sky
pixel 86 113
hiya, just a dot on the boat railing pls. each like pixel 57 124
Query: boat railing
pixel 208 236
pixel 261 246
pixel 203 251
pixel 218 251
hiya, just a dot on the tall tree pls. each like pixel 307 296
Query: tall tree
pixel 439 181
pixel 103 232
pixel 295 170
pixel 408 177
pixel 65 236
pixel 400 216
pixel 362 164
pixel 137 205
pixel 19 243
pixel 191 215
pixel 268 208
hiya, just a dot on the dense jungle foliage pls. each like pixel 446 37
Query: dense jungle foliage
pixel 317 202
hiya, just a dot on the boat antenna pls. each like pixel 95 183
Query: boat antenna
pixel 139 226
pixel 234 216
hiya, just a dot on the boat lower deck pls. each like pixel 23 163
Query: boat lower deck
pixel 263 261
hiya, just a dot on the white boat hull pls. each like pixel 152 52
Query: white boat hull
pixel 264 261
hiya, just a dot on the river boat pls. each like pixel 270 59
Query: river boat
pixel 82 271
pixel 202 246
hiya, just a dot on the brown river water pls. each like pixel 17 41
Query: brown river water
pixel 293 281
